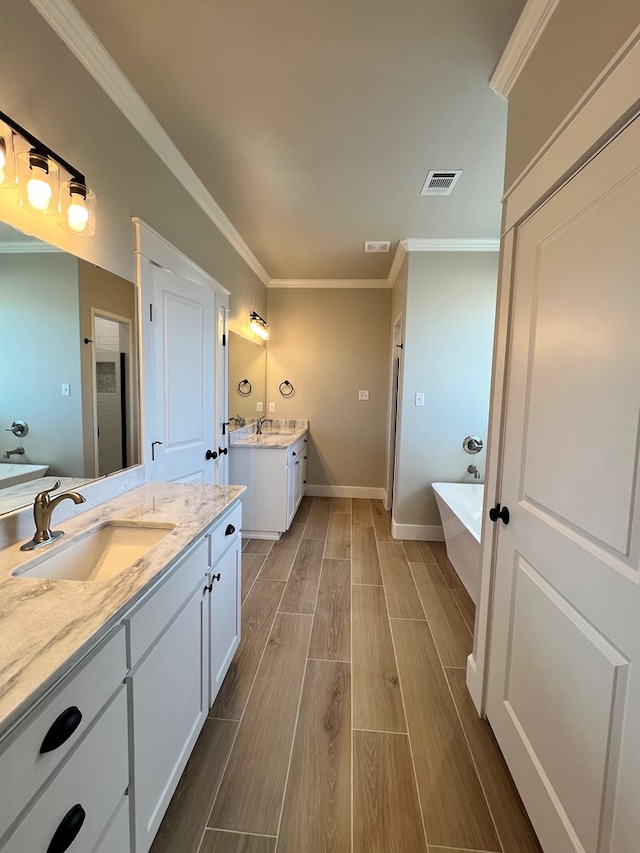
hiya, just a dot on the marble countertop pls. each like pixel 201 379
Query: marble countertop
pixel 279 435
pixel 47 626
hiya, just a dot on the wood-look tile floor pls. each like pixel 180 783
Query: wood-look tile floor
pixel 344 724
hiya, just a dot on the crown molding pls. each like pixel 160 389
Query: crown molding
pixel 71 27
pixel 27 247
pixel 396 263
pixel 464 244
pixel 329 282
pixel 525 36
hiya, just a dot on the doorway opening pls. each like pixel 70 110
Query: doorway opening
pixel 393 432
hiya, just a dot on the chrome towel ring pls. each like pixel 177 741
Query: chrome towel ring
pixel 244 388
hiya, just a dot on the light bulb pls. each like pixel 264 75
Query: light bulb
pixel 77 216
pixel 3 160
pixel 38 193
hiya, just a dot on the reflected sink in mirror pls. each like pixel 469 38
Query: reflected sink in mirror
pixel 98 555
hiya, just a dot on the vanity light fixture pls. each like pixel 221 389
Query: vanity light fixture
pixel 38 175
pixel 259 326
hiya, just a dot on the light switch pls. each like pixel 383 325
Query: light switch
pixel 66 389
pixel 420 398
pixel 363 395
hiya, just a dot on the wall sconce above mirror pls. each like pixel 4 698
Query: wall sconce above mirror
pixel 34 168
pixel 259 326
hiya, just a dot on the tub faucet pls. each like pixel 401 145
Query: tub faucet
pixel 259 423
pixel 9 453
pixel 473 470
pixel 43 507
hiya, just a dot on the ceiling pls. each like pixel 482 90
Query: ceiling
pixel 313 123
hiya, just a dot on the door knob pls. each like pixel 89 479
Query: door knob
pixel 210 454
pixel 496 512
pixel 223 451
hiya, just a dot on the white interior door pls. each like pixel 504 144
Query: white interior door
pixel 564 681
pixel 184 344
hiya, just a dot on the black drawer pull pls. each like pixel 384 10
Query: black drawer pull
pixel 230 529
pixel 68 829
pixel 215 578
pixel 294 453
pixel 61 729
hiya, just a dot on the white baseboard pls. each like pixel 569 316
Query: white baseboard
pixel 474 684
pixel 418 532
pixel 345 492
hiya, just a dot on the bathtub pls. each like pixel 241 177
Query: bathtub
pixel 13 473
pixel 460 506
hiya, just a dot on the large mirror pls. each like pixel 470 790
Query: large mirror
pixel 68 370
pixel 247 379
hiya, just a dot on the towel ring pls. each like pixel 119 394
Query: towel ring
pixel 244 388
pixel 286 388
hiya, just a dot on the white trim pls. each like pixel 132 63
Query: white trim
pixel 71 27
pixel 162 253
pixel 455 244
pixel 417 532
pixel 26 247
pixel 607 105
pixel 329 282
pixel 524 38
pixel 398 258
pixel 371 492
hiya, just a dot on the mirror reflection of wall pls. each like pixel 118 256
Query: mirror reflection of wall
pixel 49 377
pixel 247 360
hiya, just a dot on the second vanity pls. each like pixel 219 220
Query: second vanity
pixel 273 465
pixel 106 683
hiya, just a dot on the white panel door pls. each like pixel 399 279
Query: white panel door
pixel 564 681
pixel 184 355
pixel 222 397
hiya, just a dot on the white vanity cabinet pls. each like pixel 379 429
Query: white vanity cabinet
pixel 65 769
pixel 225 584
pixel 275 478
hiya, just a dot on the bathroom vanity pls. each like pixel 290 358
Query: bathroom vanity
pixel 107 680
pixel 273 466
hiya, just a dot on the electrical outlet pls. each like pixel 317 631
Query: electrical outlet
pixel 363 395
pixel 66 389
pixel 272 407
pixel 420 398
pixel 259 407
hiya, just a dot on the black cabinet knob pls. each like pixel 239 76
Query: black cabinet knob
pixel 61 729
pixel 67 830
pixel 230 529
pixel 496 512
pixel 210 454
pixel 223 451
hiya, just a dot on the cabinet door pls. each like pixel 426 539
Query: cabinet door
pixel 168 708
pixel 224 611
pixel 291 490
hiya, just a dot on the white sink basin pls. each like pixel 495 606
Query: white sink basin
pixel 98 555
pixel 13 473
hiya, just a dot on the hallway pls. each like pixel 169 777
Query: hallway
pixel 344 723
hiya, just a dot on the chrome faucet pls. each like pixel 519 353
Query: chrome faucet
pixel 259 423
pixel 43 507
pixel 473 470
pixel 240 421
pixel 19 451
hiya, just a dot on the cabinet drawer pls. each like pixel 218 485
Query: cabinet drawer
pixel 153 615
pixel 88 788
pixel 75 704
pixel 222 535
pixel 117 838
pixel 297 451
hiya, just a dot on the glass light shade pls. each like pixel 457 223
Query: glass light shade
pixel 8 178
pixel 38 177
pixel 78 209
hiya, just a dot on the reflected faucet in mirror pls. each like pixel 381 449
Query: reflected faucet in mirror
pixel 19 451
pixel 84 420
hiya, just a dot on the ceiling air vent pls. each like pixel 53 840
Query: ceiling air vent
pixel 441 182
pixel 377 245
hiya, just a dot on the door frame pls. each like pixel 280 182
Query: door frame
pixel 393 418
pixel 605 109
pixel 152 250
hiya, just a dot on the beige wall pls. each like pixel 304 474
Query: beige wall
pixel 580 39
pixel 330 344
pixel 39 351
pixel 47 91
pixel 449 319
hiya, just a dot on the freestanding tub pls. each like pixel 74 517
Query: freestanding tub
pixel 13 473
pixel 460 506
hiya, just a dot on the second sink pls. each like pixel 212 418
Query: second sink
pixel 98 555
